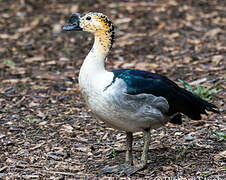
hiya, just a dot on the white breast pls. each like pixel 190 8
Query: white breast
pixel 122 111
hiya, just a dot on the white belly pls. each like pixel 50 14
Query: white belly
pixel 125 112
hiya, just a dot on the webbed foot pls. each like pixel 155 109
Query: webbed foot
pixel 123 169
pixel 118 169
pixel 133 169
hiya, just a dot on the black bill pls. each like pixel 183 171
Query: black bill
pixel 73 23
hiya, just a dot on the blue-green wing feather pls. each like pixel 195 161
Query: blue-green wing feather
pixel 180 100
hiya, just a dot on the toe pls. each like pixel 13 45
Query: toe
pixel 118 169
pixel 123 168
pixel 133 169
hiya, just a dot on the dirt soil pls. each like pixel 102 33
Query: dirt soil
pixel 47 131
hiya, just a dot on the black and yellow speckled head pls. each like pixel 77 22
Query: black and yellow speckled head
pixel 93 22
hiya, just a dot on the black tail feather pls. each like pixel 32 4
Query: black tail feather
pixel 211 107
pixel 192 105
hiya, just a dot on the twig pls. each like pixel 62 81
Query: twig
pixel 3 168
pixel 37 146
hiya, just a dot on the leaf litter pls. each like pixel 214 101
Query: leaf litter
pixel 47 131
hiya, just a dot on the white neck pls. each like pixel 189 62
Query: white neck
pixel 96 57
pixel 93 71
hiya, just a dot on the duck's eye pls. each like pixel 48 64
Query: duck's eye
pixel 88 18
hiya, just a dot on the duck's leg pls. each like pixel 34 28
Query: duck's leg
pixel 129 141
pixel 129 158
pixel 132 169
pixel 127 168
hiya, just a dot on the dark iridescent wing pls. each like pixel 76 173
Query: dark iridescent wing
pixel 180 100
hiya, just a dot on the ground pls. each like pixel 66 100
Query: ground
pixel 47 131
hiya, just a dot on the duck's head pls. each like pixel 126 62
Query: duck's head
pixel 92 22
pixel 95 23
